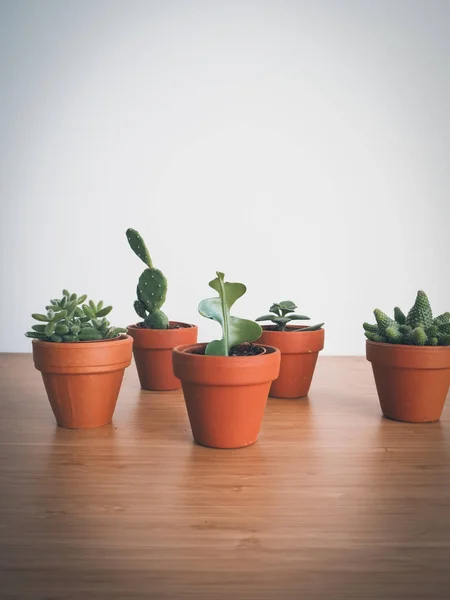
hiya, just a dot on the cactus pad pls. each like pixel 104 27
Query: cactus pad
pixel 156 320
pixel 138 246
pixel 151 289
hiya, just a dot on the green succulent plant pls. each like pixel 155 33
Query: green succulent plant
pixel 417 328
pixel 235 331
pixel 70 320
pixel 282 313
pixel 151 289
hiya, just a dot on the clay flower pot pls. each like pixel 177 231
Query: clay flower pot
pixel 299 352
pixel 225 395
pixel 412 381
pixel 83 379
pixel 152 351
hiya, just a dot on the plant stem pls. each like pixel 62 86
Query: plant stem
pixel 224 312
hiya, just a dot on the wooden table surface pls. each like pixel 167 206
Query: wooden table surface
pixel 333 501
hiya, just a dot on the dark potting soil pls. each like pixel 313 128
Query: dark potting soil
pixel 241 350
pixel 171 326
pixel 246 350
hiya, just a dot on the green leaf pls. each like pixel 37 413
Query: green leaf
pixel 88 311
pixel 36 334
pixel 235 330
pixel 281 320
pixel 266 318
pixel 313 328
pixel 61 329
pixel 73 298
pixel 66 293
pixel 55 338
pixel 81 299
pixel 100 305
pixel 295 317
pixel 70 338
pixel 275 308
pixel 39 328
pixel 104 311
pixel 79 312
pixel 59 315
pixel 287 305
pixel 89 334
pixel 93 306
pixel 39 317
pixel 50 328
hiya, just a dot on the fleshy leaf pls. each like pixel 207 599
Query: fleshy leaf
pixel 295 317
pixel 235 330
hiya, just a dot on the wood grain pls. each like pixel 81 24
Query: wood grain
pixel 333 501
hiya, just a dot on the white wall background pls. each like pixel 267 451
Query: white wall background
pixel 300 146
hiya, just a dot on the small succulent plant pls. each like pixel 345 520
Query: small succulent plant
pixel 282 313
pixel 417 328
pixel 70 320
pixel 151 289
pixel 235 330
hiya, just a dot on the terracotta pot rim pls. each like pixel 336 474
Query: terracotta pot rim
pixel 135 326
pixel 183 351
pixel 119 339
pixel 409 348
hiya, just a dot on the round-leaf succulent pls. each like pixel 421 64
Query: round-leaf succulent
pixel 282 313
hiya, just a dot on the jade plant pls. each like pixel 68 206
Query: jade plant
pixel 417 328
pixel 69 319
pixel 235 331
pixel 151 289
pixel 282 313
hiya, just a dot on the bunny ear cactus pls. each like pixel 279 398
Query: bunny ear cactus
pixel 282 313
pixel 418 328
pixel 235 330
pixel 151 289
pixel 70 320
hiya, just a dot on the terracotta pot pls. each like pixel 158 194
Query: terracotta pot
pixel 225 395
pixel 299 352
pixel 83 379
pixel 412 381
pixel 152 351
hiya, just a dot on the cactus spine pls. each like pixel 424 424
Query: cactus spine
pixel 418 328
pixel 151 289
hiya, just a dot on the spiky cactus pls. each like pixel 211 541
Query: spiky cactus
pixel 282 313
pixel 70 320
pixel 418 328
pixel 151 289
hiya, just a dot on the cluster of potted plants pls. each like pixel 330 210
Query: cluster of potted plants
pixel 225 382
